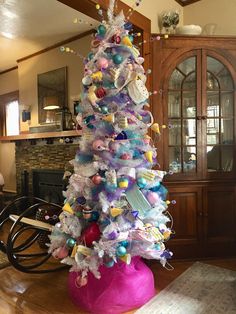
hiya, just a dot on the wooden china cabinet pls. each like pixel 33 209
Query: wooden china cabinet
pixel 196 82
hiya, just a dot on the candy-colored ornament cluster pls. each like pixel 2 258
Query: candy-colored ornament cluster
pixel 115 204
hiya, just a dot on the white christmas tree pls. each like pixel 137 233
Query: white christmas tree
pixel 115 205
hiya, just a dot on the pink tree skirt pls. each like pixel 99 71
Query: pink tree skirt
pixel 120 289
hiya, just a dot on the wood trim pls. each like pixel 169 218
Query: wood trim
pixel 6 98
pixel 61 43
pixel 187 2
pixel 88 7
pixel 34 136
pixel 8 70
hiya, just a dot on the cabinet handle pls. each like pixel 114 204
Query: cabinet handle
pixel 199 118
pixel 204 117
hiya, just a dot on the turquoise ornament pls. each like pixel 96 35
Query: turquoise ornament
pixel 124 243
pixel 131 38
pixel 121 251
pixel 102 30
pixel 141 182
pixel 117 59
pixel 70 242
pixel 90 55
pixel 109 264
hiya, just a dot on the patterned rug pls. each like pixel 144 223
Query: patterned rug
pixel 3 260
pixel 201 289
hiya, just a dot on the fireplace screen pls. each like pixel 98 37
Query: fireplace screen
pixel 48 185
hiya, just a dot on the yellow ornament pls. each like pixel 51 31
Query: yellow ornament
pixel 115 211
pixel 97 76
pixel 97 6
pixel 166 234
pixel 126 258
pixel 155 128
pixel 84 250
pixel 74 251
pixel 109 118
pixel 91 95
pixel 126 41
pixel 123 184
pixel 149 155
pixel 67 208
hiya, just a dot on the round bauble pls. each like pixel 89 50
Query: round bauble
pixel 60 252
pixel 104 109
pixel 116 39
pixel 121 251
pixel 101 30
pixel 97 179
pixel 141 182
pixel 125 156
pixel 90 234
pixel 98 145
pixel 117 59
pixel 102 63
pixel 100 92
pixel 152 198
pixel 70 242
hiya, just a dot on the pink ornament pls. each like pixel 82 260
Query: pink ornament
pixel 97 179
pixel 98 145
pixel 102 63
pixel 60 252
pixel 125 156
pixel 81 281
pixel 152 198
pixel 90 234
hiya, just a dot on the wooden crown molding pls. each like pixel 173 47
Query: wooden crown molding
pixel 8 70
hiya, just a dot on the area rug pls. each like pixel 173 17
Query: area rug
pixel 201 289
pixel 4 262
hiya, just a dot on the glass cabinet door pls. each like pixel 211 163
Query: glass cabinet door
pixel 182 113
pixel 219 117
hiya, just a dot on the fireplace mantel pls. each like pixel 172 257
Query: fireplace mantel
pixel 35 136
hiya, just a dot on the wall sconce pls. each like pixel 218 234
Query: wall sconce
pixel 26 116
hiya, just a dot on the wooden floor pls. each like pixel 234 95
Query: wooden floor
pixel 22 293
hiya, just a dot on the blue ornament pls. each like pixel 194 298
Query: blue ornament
pixel 121 251
pixel 141 182
pixel 95 216
pixel 128 26
pixel 124 243
pixel 156 187
pixel 70 242
pixel 102 30
pixel 81 200
pixel 110 263
pixel 117 59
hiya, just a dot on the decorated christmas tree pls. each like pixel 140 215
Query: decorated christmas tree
pixel 115 205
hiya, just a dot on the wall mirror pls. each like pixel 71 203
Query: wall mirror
pixel 52 94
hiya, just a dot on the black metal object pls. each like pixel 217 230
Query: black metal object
pixel 22 247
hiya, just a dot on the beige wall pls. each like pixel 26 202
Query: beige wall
pixel 8 83
pixel 51 60
pixel 152 8
pixel 221 13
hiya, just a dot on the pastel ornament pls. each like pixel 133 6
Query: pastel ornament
pixel 126 41
pixel 102 63
pixel 92 95
pixel 116 211
pixel 152 198
pixel 123 183
pixel 97 179
pixel 60 252
pixel 98 145
pixel 121 251
pixel 141 182
pixel 149 155
pixel 104 109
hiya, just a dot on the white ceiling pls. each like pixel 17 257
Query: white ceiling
pixel 34 25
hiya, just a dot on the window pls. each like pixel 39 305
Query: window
pixel 12 118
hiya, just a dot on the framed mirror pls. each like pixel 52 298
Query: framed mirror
pixel 52 94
